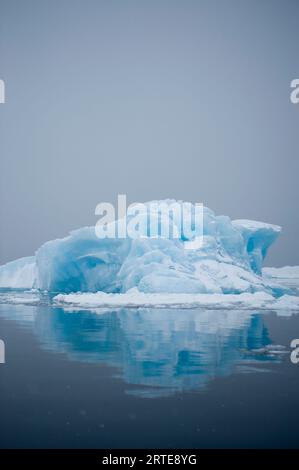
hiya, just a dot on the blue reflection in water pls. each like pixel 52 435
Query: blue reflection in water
pixel 160 351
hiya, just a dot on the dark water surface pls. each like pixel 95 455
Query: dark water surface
pixel 147 378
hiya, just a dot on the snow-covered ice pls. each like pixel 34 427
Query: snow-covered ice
pixel 287 276
pixel 134 298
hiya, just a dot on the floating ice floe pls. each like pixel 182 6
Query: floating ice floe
pixel 134 298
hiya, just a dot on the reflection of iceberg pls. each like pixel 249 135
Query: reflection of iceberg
pixel 164 351
pixel 160 351
pixel 229 261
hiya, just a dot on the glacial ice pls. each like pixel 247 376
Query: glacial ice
pixel 228 262
pixel 19 274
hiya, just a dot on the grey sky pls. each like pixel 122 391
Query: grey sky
pixel 155 99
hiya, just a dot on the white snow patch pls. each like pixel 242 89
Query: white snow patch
pixel 286 272
pixel 286 276
pixel 255 225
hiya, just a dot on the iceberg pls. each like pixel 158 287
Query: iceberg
pixel 228 261
pixel 19 274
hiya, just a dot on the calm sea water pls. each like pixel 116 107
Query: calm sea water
pixel 156 378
